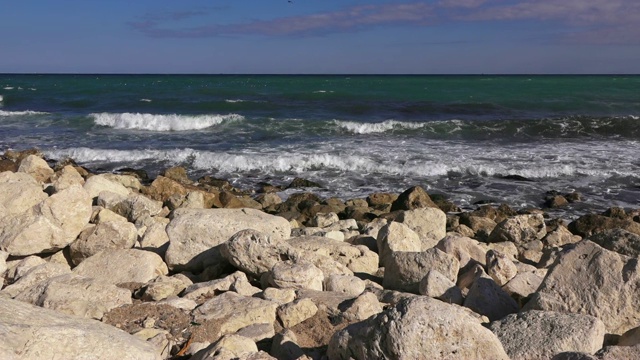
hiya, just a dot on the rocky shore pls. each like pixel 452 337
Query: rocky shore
pixel 119 266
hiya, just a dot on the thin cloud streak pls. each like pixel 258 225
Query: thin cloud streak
pixel 616 21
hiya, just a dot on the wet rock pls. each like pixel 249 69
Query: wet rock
pixel 413 198
pixel 302 183
pixel 590 224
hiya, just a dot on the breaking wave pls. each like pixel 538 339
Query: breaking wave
pixel 370 128
pixel 20 113
pixel 152 122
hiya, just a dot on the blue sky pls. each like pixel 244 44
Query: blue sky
pixel 320 36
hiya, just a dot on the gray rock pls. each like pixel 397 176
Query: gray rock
pixel 195 234
pixel 35 333
pixel 485 297
pixel 619 353
pixel 630 337
pixel 591 280
pixel 121 266
pixel 417 328
pixel 542 334
pixel 405 270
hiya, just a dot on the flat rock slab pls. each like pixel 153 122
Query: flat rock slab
pixel 31 332
pixel 543 334
pixel 195 234
pixel 122 265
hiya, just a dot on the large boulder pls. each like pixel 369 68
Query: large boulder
pixel 590 224
pixel 543 334
pixel 487 298
pixel 117 266
pixel 48 226
pixel 466 250
pixel 429 223
pixel 36 167
pixel 76 295
pixel 30 332
pixel 394 237
pixel 405 270
pixel 99 183
pixel 589 279
pixel 618 240
pixel 19 192
pixel 254 252
pixel 519 229
pixel 357 258
pixel 67 178
pixel 413 198
pixel 106 235
pixel 195 234
pixel 417 328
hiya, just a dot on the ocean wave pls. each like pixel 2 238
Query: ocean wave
pixel 145 100
pixel 152 122
pixel 1 98
pixel 370 128
pixel 21 113
pixel 234 100
pixel 89 155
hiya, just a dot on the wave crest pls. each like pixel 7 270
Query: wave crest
pixel 21 113
pixel 152 122
pixel 370 128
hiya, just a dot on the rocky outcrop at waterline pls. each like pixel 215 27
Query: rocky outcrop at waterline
pixel 173 268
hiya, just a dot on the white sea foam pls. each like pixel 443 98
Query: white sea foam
pixel 145 100
pixel 1 98
pixel 89 155
pixel 152 122
pixel 21 113
pixel 634 117
pixel 8 87
pixel 369 128
pixel 234 100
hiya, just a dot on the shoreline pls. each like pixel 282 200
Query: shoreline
pixel 172 268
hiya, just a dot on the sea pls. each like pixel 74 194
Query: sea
pixel 475 139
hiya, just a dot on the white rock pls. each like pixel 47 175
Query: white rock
pixel 48 226
pixel 96 184
pixel 76 295
pixel 417 328
pixel 293 313
pixel 405 270
pixel 363 307
pixel 195 234
pixel 547 333
pixel 121 266
pixel 36 167
pixel 18 193
pixel 68 177
pixel 589 279
pixel 519 229
pixel 298 275
pixel 396 237
pixel 357 258
pixel 429 223
pixel 34 276
pixel 35 333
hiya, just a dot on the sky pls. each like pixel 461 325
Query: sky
pixel 320 36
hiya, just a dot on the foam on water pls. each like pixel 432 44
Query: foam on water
pixel 370 128
pixel 153 122
pixel 145 100
pixel 21 113
pixel 1 98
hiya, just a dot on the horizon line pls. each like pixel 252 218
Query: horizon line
pixel 317 74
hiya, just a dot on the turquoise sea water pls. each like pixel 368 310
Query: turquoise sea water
pixel 457 135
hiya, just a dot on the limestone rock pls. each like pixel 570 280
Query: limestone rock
pixel 68 177
pixel 254 252
pixel 524 284
pixel 362 307
pixel 482 227
pixel 429 223
pixel 619 353
pixel 630 337
pixel 542 334
pixel 590 224
pixel 34 276
pixel 236 282
pixel 413 198
pixel 358 259
pixel 133 206
pixel 233 312
pixel 396 237
pixel 296 312
pixel 519 229
pixel 500 268
pixel 324 219
pixel 122 266
pixel 194 234
pixel 560 236
pixel 298 275
pixel 48 226
pixel 405 270
pixel 36 167
pixel 163 287
pixel 234 346
pixel 486 298
pixel 18 193
pixel 464 249
pixel 591 280
pixel 438 286
pixel 279 296
pixel 417 328
pixel 35 333
pixel 618 240
pixel 155 239
pixel 106 235
pixel 349 285
pixel 99 183
pixel 76 295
